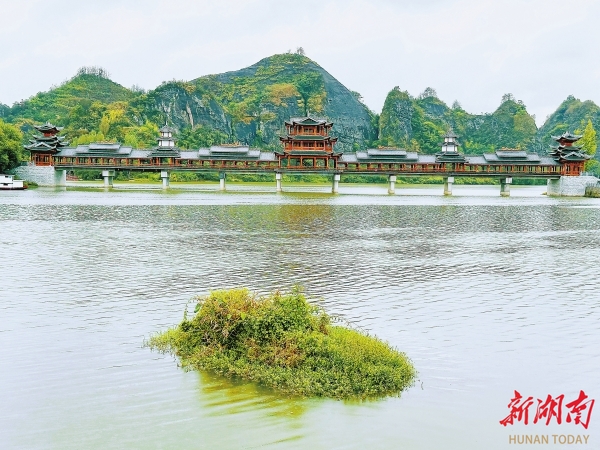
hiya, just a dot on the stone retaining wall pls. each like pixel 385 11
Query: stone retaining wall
pixel 42 175
pixel 569 186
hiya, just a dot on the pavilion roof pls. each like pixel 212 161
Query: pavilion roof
pixel 515 156
pixel 568 137
pixel 569 154
pixel 47 127
pixel 309 137
pixel 450 134
pixel 307 121
pixel 443 157
pixel 386 155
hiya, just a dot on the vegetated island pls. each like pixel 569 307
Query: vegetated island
pixel 284 342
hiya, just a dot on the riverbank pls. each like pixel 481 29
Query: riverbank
pixel 196 177
pixel 592 191
pixel 284 342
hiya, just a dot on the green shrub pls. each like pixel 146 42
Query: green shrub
pixel 284 342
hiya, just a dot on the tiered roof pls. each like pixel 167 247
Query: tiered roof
pixel 296 133
pixel 449 152
pixel 48 128
pixel 48 141
pixel 166 144
pixel 566 151
pixel 308 121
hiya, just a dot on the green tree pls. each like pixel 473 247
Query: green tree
pixel 589 144
pixel 104 125
pixel 588 140
pixel 11 152
pixel 201 137
pixel 310 85
pixel 143 136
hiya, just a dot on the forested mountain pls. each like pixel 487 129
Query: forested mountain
pixel 419 123
pixel 250 105
pixel 572 115
pixel 88 86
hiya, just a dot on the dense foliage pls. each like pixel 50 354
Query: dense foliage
pixel 589 144
pixel 10 146
pixel 419 124
pixel 284 342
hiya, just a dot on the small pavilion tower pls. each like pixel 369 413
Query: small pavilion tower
pixel 570 156
pixel 450 159
pixel 166 137
pixel 449 152
pixel 307 144
pixel 166 150
pixel 45 145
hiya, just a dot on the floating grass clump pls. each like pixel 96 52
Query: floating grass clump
pixel 284 342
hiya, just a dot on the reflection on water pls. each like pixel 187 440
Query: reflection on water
pixel 485 295
pixel 224 396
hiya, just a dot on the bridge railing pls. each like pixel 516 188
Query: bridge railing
pixel 355 168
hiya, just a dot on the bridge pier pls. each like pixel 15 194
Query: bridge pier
pixel 336 183
pixel 164 176
pixel 278 181
pixel 505 187
pixel 392 188
pixel 448 185
pixel 108 176
pixel 222 186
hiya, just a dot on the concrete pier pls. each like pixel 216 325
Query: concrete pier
pixel 392 181
pixel 164 176
pixel 278 181
pixel 60 177
pixel 108 176
pixel 335 188
pixel 222 185
pixel 448 181
pixel 505 187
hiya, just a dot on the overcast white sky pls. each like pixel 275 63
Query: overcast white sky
pixel 472 51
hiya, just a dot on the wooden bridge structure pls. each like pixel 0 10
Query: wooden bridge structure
pixel 308 148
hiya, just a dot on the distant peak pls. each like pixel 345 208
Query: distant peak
pixel 93 70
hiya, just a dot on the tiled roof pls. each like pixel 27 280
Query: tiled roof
pixel 307 121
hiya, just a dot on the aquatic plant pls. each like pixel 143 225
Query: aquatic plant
pixel 285 342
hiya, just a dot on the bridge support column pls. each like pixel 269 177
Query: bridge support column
pixel 164 176
pixel 222 181
pixel 335 188
pixel 392 188
pixel 60 177
pixel 278 181
pixel 108 176
pixel 448 185
pixel 505 187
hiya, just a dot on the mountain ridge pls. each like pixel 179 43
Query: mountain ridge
pixel 249 106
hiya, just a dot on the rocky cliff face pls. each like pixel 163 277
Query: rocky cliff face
pixel 251 104
pixel 182 105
